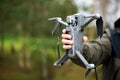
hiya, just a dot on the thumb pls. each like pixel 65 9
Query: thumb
pixel 85 39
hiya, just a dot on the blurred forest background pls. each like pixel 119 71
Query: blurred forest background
pixel 27 48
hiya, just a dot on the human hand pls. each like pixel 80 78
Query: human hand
pixel 67 40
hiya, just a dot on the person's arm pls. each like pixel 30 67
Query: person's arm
pixel 97 51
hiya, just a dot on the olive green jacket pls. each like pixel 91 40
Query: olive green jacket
pixel 100 52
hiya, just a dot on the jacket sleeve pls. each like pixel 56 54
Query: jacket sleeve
pixel 97 51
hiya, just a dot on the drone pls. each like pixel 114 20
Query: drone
pixel 75 25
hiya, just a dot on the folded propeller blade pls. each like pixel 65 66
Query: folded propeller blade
pixel 55 27
pixel 99 24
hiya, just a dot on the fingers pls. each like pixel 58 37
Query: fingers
pixel 67 47
pixel 64 35
pixel 67 44
pixel 66 40
pixel 64 31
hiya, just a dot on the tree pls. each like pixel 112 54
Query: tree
pixel 109 9
pixel 28 19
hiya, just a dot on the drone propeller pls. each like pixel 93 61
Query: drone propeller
pixel 99 24
pixel 56 23
pixel 55 27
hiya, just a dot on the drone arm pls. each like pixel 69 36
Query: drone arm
pixel 95 16
pixel 62 60
pixel 85 24
pixel 58 19
pixel 62 22
pixel 80 56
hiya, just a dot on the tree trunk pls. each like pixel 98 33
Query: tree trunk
pixel 2 41
pixel 21 52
